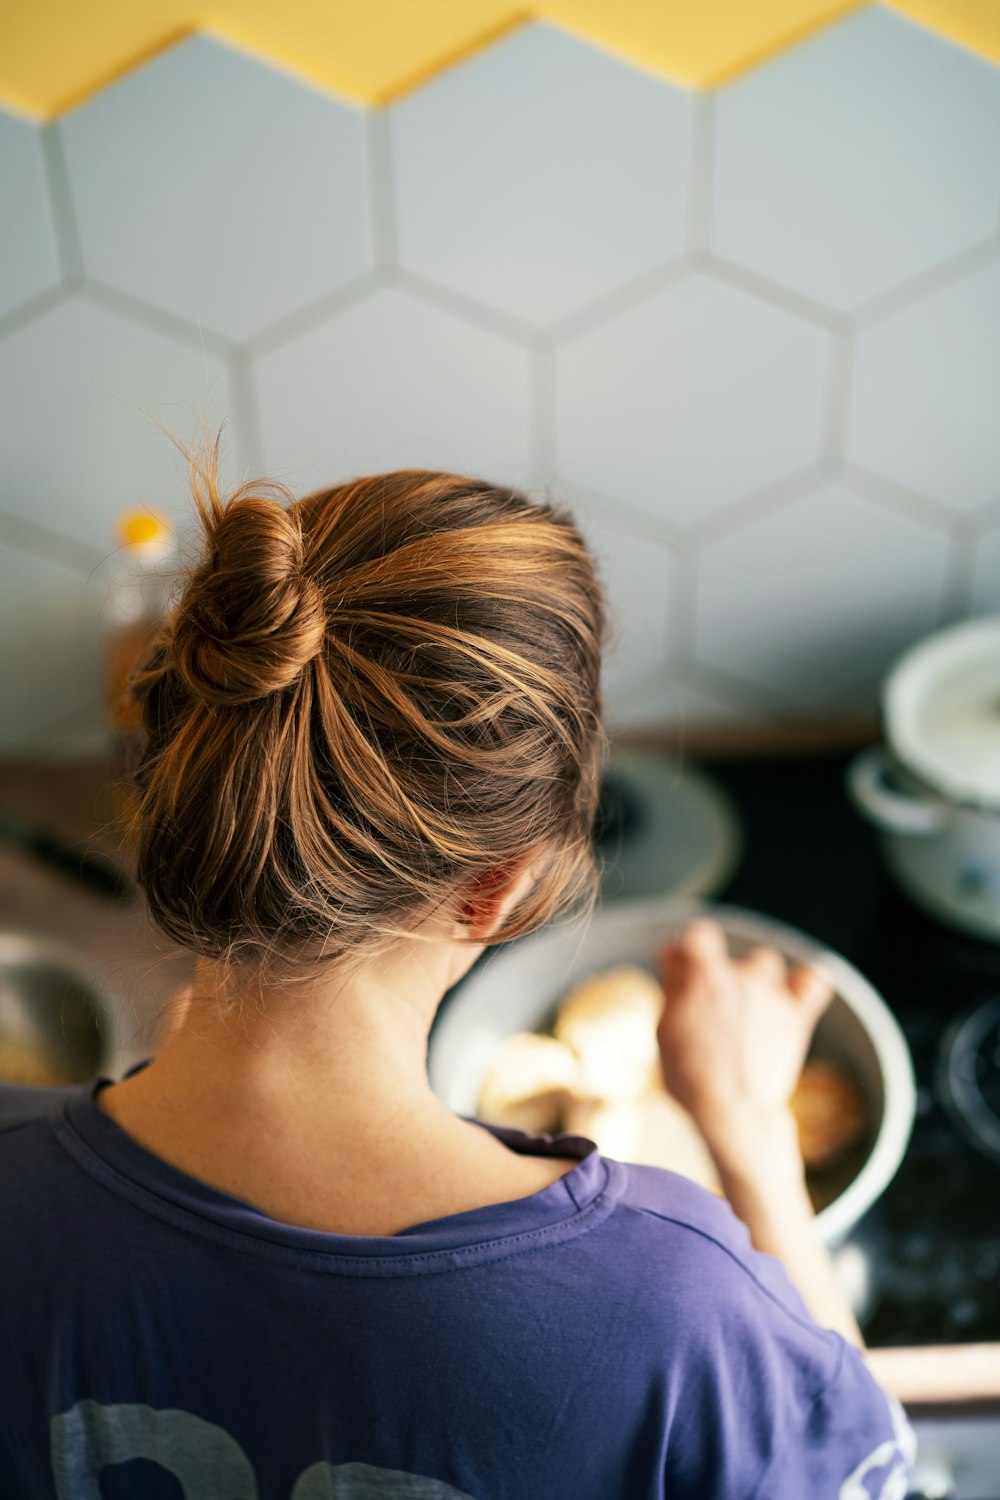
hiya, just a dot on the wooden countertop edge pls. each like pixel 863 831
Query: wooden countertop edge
pixel 722 741
pixel 960 1379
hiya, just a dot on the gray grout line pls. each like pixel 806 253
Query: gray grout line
pixel 53 546
pixel 638 522
pixel 956 592
pixel 542 415
pixel 35 307
pixel 772 292
pixel 925 284
pixel 155 319
pixel 732 687
pixel 60 200
pixel 245 407
pixel 381 189
pixel 701 173
pixel 688 671
pixel 683 605
pixel 921 509
pixel 622 300
pixel 309 318
pixel 773 497
pixel 490 319
pixel 836 398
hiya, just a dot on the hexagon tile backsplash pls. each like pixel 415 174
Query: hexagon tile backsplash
pixel 751 336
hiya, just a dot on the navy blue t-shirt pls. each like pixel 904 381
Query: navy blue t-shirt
pixel 611 1337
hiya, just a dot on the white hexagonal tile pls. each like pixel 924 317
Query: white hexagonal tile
pixel 30 261
pixel 689 401
pixel 638 576
pixel 822 592
pixel 78 450
pixel 218 188
pixel 540 174
pixel 857 158
pixel 925 401
pixel 50 644
pixel 391 384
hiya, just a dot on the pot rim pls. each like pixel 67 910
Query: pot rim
pixel 901 696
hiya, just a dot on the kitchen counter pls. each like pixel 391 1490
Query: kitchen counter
pixel 142 970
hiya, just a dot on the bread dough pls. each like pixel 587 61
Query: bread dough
pixel 528 1083
pixel 651 1129
pixel 610 1023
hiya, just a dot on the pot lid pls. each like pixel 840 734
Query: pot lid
pixel 664 828
pixel 942 710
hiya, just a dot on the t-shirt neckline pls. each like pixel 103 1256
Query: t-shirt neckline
pixel 571 1205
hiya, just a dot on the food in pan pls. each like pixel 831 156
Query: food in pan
pixel 19 1064
pixel 598 1075
pixel 829 1112
pixel 530 1079
pixel 609 1021
pixel 650 1128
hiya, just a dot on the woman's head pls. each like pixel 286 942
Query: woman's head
pixel 364 701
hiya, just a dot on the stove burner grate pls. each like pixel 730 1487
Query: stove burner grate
pixel 969 1075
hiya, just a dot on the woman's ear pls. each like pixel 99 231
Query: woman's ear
pixel 489 899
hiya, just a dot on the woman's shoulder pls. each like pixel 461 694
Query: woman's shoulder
pixel 23 1104
pixel 696 1241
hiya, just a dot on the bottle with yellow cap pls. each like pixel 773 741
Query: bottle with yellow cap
pixel 137 601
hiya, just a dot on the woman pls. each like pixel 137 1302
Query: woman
pixel 270 1262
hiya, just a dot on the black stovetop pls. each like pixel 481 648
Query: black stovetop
pixel 930 1246
pixel 932 1241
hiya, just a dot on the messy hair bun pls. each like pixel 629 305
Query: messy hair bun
pixel 361 700
pixel 254 618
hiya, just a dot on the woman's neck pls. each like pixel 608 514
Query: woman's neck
pixel 348 1049
pixel 317 1108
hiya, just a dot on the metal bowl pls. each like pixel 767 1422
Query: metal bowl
pixel 518 989
pixel 55 1011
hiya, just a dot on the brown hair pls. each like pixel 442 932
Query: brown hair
pixel 362 699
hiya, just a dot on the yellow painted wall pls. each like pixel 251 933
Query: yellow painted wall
pixel 55 53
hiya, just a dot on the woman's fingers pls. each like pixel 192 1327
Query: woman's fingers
pixel 812 987
pixel 703 939
pixel 766 961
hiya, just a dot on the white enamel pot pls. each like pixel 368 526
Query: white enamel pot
pixel 933 788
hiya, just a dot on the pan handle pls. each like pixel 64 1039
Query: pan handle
pixel 885 806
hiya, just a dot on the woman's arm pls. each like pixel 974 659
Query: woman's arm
pixel 761 1171
pixel 733 1038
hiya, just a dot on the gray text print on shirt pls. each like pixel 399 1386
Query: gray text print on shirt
pixel 888 1467
pixel 203 1458
pixel 209 1464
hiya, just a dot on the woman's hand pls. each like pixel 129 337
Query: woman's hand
pixel 734 1034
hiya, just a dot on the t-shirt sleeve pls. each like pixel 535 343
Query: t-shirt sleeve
pixel 769 1405
pixel 851 1441
pixel 765 1417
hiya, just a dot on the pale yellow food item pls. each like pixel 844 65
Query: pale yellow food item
pixel 600 1077
pixel 829 1112
pixel 610 1023
pixel 19 1064
pixel 650 1129
pixel 528 1083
